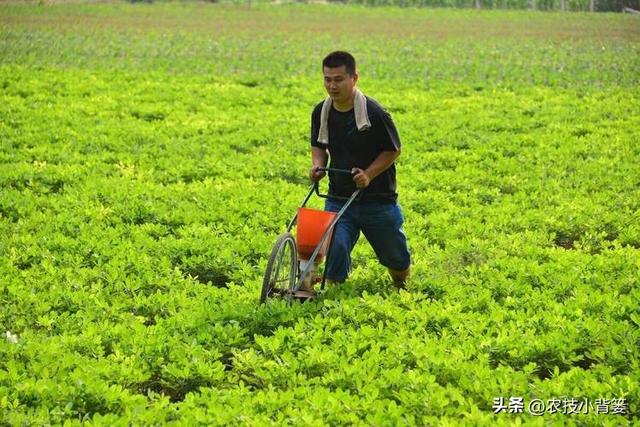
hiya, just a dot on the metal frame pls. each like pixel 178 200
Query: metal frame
pixel 330 229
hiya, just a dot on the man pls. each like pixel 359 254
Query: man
pixel 357 134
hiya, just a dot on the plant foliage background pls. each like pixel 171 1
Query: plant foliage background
pixel 150 155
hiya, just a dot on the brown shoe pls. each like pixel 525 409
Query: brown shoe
pixel 400 285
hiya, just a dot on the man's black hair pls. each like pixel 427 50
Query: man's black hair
pixel 339 58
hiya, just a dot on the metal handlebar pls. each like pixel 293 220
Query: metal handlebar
pixel 346 171
pixel 315 188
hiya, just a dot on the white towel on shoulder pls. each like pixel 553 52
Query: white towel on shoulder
pixel 360 110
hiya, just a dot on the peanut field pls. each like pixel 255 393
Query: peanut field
pixel 150 154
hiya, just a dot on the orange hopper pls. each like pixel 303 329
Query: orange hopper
pixel 312 224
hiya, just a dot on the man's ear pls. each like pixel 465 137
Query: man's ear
pixel 355 78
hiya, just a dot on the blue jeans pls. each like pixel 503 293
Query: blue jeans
pixel 381 224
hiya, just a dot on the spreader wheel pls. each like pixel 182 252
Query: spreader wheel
pixel 282 269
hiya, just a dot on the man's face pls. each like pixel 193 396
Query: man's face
pixel 338 83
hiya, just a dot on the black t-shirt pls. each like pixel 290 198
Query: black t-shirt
pixel 349 148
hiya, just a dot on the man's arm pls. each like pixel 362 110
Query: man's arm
pixel 319 159
pixel 379 165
